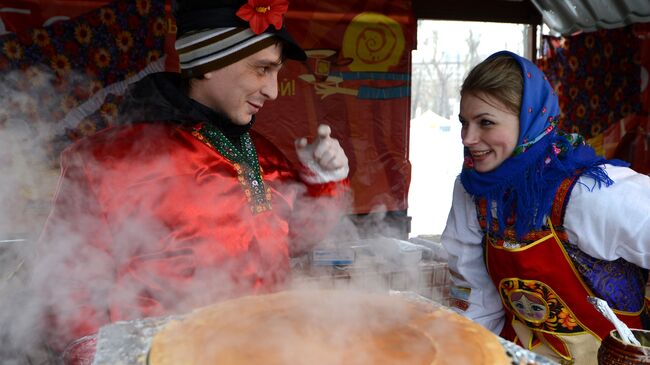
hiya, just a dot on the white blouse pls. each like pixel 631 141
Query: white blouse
pixel 606 223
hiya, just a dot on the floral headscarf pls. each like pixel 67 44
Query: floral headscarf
pixel 524 185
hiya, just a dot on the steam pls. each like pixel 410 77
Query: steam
pixel 26 182
pixel 44 278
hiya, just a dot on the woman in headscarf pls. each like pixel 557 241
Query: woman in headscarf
pixel 539 222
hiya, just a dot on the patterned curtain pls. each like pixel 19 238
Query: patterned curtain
pixel 597 76
pixel 70 75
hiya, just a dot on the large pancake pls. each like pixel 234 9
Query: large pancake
pixel 324 327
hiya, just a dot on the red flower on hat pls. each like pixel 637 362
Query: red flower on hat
pixel 260 13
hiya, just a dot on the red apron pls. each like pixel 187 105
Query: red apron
pixel 543 294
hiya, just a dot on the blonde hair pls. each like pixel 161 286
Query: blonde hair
pixel 499 78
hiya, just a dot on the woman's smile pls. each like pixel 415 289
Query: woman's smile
pixel 489 131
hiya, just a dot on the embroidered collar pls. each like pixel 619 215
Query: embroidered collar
pixel 245 161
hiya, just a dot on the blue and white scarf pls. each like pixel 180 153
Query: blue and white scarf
pixel 524 185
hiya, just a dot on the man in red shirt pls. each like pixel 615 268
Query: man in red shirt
pixel 182 204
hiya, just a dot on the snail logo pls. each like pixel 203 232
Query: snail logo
pixel 374 41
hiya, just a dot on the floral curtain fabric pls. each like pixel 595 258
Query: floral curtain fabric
pixel 601 79
pixel 71 73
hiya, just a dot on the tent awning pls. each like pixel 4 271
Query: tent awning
pixel 570 16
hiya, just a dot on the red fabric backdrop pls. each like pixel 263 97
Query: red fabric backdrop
pixel 353 46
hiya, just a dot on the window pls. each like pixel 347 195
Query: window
pixel 446 51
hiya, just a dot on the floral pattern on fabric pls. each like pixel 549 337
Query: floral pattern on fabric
pixel 524 146
pixel 619 282
pixel 48 73
pixel 596 76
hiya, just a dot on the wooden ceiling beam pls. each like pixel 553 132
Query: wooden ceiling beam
pixel 500 11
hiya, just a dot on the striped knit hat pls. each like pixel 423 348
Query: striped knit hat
pixel 211 35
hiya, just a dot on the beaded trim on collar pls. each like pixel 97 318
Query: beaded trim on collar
pixel 245 162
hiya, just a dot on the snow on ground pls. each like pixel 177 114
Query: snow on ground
pixel 436 155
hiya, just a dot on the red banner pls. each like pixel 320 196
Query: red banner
pixel 357 80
